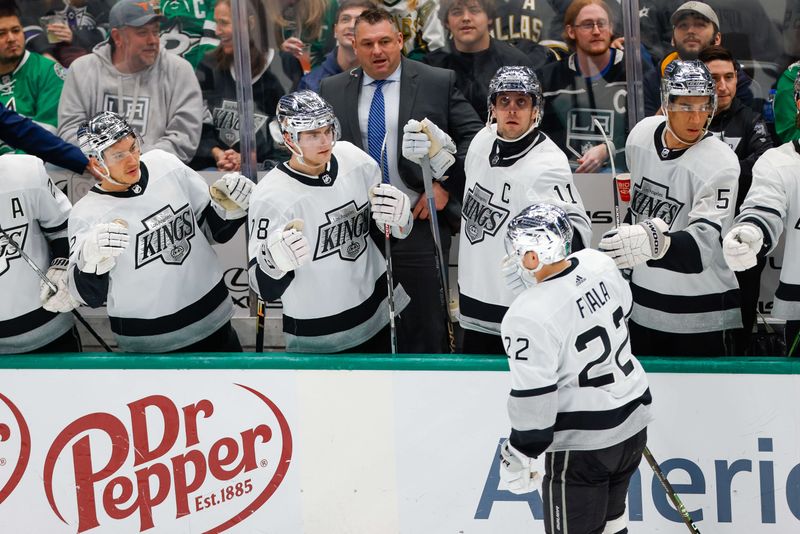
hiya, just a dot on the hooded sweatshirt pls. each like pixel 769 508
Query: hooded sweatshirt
pixel 169 105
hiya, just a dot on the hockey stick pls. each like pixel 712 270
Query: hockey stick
pixel 387 252
pixel 53 288
pixel 427 179
pixel 676 501
pixel 260 319
pixel 614 184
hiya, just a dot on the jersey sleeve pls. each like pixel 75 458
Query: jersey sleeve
pixel 87 288
pixel 267 217
pixel 215 228
pixel 556 186
pixel 533 351
pixel 53 209
pixel 766 204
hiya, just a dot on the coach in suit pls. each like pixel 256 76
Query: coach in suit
pixel 388 94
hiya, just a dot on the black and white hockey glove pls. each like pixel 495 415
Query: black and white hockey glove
pixel 741 246
pixel 230 195
pixel 630 245
pixel 284 250
pixel 515 470
pixel 103 243
pixel 391 206
pixel 61 301
pixel 424 138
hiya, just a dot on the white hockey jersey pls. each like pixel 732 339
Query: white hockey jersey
pixel 166 290
pixel 499 185
pixel 339 299
pixel 34 212
pixel 690 290
pixel 575 383
pixel 773 204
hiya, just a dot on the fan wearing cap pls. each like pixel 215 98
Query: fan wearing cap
pixel 684 183
pixel 140 243
pixel 317 220
pixel 156 93
pixel 510 163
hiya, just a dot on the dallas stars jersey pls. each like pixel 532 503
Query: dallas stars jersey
pixel 33 90
pixel 575 383
pixel 34 212
pixel 773 204
pixel 338 300
pixel 166 289
pixel 690 290
pixel 188 28
pixel 418 21
pixel 497 189
pixel 526 19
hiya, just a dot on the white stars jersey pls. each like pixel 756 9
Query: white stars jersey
pixel 773 204
pixel 34 213
pixel 575 383
pixel 166 290
pixel 691 290
pixel 500 184
pixel 338 300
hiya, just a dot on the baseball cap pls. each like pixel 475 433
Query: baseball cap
pixel 695 8
pixel 132 13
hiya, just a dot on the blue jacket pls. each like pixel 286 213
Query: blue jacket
pixel 329 67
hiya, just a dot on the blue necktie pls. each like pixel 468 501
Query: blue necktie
pixel 376 129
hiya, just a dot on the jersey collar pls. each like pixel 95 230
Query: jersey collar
pixel 796 145
pixel 326 179
pixel 573 264
pixel 664 152
pixel 135 190
pixel 507 153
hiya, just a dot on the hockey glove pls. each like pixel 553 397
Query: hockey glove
pixel 231 195
pixel 421 138
pixel 61 301
pixel 102 245
pixel 512 275
pixel 515 470
pixel 631 245
pixel 284 250
pixel 389 206
pixel 741 246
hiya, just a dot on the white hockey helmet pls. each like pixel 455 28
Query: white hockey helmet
pixel 542 228
pixel 516 79
pixel 302 111
pixel 688 78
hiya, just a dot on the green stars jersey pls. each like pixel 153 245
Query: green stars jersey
pixel 188 28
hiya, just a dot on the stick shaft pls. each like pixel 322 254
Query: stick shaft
pixel 676 501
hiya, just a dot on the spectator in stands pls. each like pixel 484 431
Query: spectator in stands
pixel 219 143
pixel 30 83
pixel 745 132
pixel 158 94
pixel 343 57
pixel 589 84
pixel 695 26
pixel 303 28
pixel 419 23
pixel 187 28
pixel 73 30
pixel 787 121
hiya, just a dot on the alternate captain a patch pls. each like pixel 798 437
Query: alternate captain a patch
pixel 481 217
pixel 167 236
pixel 345 233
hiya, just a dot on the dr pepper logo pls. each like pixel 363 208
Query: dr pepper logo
pixel 163 460
pixel 15 446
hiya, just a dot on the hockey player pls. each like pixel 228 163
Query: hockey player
pixel 509 165
pixel 578 394
pixel 311 243
pixel 140 242
pixel 33 215
pixel 684 182
pixel 772 205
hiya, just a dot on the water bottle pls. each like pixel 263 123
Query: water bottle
pixel 768 112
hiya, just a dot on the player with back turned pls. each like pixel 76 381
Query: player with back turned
pixel 578 395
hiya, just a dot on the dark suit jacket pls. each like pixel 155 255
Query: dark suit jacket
pixel 425 91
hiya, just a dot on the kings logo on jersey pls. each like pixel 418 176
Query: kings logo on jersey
pixel 8 251
pixel 167 236
pixel 226 121
pixel 651 199
pixel 480 215
pixel 346 232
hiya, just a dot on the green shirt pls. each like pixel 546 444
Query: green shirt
pixel 785 105
pixel 188 28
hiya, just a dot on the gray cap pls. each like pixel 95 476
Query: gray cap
pixel 695 8
pixel 134 13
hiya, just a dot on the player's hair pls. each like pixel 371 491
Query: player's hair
pixel 257 60
pixel 374 16
pixel 572 13
pixel 9 8
pixel 718 53
pixel 488 6
pixel 349 4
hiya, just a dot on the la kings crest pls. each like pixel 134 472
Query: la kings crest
pixel 167 236
pixel 345 233
pixel 481 217
pixel 226 121
pixel 651 199
pixel 8 251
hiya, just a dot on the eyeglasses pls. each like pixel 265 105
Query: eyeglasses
pixel 122 155
pixel 691 108
pixel 588 25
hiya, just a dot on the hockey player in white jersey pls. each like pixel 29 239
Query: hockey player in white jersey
pixel 684 183
pixel 140 242
pixel 771 206
pixel 311 242
pixel 509 165
pixel 33 215
pixel 578 394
